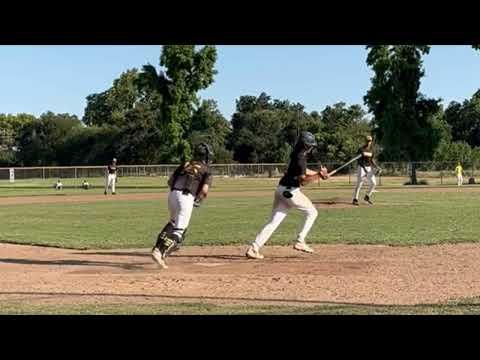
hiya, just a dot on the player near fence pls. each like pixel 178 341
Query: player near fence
pixel 459 173
pixel 111 176
pixel 288 195
pixel 189 185
pixel 58 185
pixel 367 168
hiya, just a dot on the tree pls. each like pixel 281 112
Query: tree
pixel 208 124
pixel 408 126
pixel 40 140
pixel 109 107
pixel 174 92
pixel 343 132
pixel 464 120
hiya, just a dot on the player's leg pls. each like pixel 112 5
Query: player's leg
pixel 279 212
pixel 183 217
pixel 106 184
pixel 114 180
pixel 303 203
pixel 358 186
pixel 372 183
pixel 164 238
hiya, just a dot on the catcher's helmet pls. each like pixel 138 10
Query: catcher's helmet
pixel 203 152
pixel 307 140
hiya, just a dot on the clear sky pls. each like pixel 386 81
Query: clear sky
pixel 35 79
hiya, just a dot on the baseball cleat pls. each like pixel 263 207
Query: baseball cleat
pixel 105 193
pixel 158 258
pixel 355 202
pixel 301 246
pixel 253 254
pixel 367 199
pixel 114 193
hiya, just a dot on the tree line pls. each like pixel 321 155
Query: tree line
pixel 152 115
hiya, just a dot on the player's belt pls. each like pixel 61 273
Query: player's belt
pixel 184 191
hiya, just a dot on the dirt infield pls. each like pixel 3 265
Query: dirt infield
pixel 342 274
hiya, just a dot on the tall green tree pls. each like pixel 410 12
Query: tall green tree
pixel 408 126
pixel 174 93
pixel 208 124
pixel 110 106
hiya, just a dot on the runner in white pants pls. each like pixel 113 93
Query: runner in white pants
pixel 365 164
pixel 189 185
pixel 288 195
pixel 111 176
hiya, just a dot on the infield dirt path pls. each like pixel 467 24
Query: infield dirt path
pixel 342 274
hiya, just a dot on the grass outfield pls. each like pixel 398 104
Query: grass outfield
pixel 466 307
pixel 398 218
pixel 33 187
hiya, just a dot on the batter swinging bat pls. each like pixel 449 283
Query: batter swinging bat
pixel 347 163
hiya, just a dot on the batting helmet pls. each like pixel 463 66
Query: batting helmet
pixel 306 140
pixel 203 152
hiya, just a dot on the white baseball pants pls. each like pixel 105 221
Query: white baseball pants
pixel 361 175
pixel 180 207
pixel 281 205
pixel 110 182
pixel 459 180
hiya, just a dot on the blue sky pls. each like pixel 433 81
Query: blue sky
pixel 35 79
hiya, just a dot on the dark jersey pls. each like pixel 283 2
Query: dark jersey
pixel 296 168
pixel 112 169
pixel 190 177
pixel 367 156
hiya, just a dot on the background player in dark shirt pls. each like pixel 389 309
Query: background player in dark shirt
pixel 111 176
pixel 288 195
pixel 189 185
pixel 365 170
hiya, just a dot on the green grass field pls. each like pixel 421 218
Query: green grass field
pixel 399 218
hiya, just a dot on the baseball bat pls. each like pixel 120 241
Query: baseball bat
pixel 346 164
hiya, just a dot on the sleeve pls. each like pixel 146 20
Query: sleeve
pixel 172 178
pixel 207 179
pixel 302 164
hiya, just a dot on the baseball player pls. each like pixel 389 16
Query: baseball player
pixel 459 173
pixel 58 185
pixel 288 195
pixel 365 164
pixel 85 185
pixel 111 176
pixel 189 185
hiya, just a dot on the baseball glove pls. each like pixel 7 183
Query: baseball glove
pixel 197 202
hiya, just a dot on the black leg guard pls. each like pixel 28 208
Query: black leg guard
pixel 166 231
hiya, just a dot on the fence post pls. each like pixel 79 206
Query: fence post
pixel 441 177
pixel 75 177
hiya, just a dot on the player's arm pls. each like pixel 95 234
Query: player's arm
pixel 203 192
pixel 311 175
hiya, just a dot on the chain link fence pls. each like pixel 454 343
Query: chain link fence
pixel 395 173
